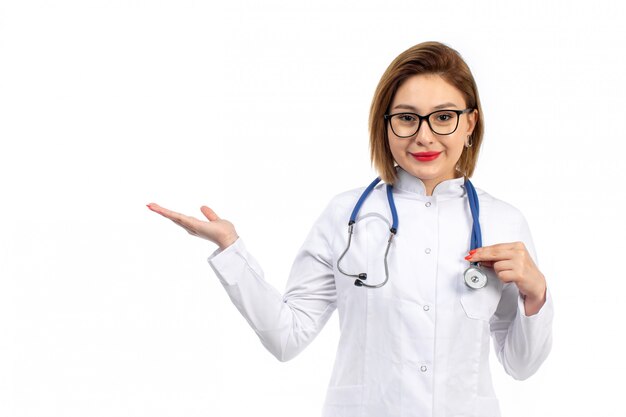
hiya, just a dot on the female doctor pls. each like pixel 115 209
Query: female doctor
pixel 422 270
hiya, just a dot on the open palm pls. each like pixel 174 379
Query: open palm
pixel 217 230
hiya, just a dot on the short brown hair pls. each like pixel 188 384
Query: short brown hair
pixel 423 58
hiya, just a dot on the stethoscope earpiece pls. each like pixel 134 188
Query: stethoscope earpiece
pixel 359 281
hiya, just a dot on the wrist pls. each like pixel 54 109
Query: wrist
pixel 539 295
pixel 226 242
pixel 534 301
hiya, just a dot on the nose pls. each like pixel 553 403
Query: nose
pixel 424 134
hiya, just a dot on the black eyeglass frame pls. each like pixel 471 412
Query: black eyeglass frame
pixel 427 117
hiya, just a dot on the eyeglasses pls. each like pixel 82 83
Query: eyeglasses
pixel 441 122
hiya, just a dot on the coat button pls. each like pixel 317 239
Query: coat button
pixel 426 308
pixel 423 368
pixel 427 204
pixel 427 250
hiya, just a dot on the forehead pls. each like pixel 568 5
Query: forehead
pixel 425 91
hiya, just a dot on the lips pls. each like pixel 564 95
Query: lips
pixel 425 156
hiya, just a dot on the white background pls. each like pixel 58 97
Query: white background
pixel 259 110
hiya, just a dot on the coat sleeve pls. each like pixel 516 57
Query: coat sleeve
pixel 285 324
pixel 522 342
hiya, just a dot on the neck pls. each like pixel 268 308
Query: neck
pixel 429 185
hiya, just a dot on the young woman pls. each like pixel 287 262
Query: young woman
pixel 428 269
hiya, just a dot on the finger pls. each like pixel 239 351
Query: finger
pixel 156 208
pixel 508 276
pixel 190 224
pixel 497 248
pixel 167 213
pixel 178 222
pixel 501 266
pixel 491 253
pixel 153 206
pixel 209 213
pixel 505 245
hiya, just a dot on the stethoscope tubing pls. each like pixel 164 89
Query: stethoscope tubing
pixel 392 231
pixel 392 205
pixel 475 240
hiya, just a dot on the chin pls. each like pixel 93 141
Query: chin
pixel 426 174
pixel 431 174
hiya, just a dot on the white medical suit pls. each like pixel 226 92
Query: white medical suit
pixel 418 346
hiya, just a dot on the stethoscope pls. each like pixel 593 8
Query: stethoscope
pixel 474 276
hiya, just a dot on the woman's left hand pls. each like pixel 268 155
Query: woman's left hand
pixel 512 263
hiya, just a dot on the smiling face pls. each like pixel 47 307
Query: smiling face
pixel 423 94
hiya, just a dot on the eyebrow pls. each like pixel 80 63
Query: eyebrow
pixel 440 106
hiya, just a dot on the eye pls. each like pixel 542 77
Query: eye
pixel 445 117
pixel 407 117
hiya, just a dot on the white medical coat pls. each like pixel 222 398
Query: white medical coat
pixel 418 346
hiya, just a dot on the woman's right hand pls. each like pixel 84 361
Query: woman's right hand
pixel 219 231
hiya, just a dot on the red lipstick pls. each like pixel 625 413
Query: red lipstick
pixel 425 156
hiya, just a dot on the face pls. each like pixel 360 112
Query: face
pixel 423 94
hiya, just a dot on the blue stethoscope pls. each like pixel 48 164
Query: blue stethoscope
pixel 474 276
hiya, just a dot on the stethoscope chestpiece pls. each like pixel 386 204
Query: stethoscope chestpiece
pixel 475 278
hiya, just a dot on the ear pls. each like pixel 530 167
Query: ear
pixel 472 119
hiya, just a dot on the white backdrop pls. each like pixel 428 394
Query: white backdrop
pixel 108 309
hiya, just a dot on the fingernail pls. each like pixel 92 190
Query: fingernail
pixel 468 257
pixel 473 251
